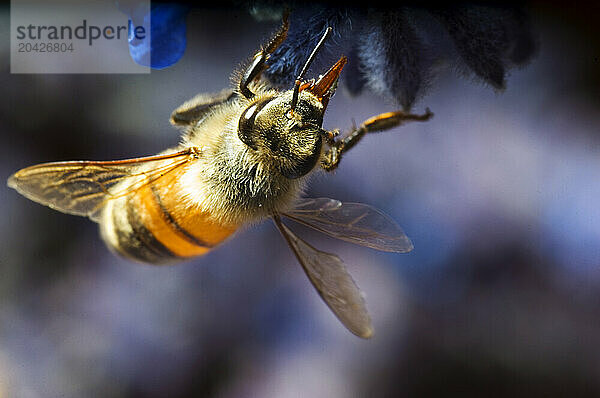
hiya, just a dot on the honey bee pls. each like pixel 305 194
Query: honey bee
pixel 245 156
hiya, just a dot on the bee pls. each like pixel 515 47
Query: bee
pixel 245 156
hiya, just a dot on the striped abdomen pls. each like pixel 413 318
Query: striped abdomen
pixel 151 226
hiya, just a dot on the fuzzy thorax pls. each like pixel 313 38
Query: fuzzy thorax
pixel 230 181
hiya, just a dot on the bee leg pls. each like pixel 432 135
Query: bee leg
pixel 259 63
pixel 381 122
pixel 196 108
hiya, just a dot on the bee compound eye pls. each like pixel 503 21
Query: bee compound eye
pixel 246 124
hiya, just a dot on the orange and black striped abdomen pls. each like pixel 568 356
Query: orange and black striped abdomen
pixel 152 225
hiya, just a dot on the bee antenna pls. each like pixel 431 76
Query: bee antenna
pixel 309 61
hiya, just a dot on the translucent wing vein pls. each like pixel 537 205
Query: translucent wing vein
pixel 82 187
pixel 334 284
pixel 356 223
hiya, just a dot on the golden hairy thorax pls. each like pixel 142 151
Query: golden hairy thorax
pixel 229 181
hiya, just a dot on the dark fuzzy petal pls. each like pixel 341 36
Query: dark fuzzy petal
pixel 489 39
pixel 307 25
pixel 392 56
pixel 393 52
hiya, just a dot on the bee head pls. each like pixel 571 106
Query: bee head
pixel 287 127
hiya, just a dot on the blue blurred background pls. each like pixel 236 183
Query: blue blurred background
pixel 499 193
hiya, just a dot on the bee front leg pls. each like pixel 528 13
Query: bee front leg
pixel 259 63
pixel 381 122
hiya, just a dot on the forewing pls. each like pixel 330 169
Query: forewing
pixel 333 283
pixel 82 187
pixel 352 222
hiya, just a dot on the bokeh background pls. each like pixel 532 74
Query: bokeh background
pixel 499 192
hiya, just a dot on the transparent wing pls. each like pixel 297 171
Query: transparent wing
pixel 334 284
pixel 82 187
pixel 352 222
